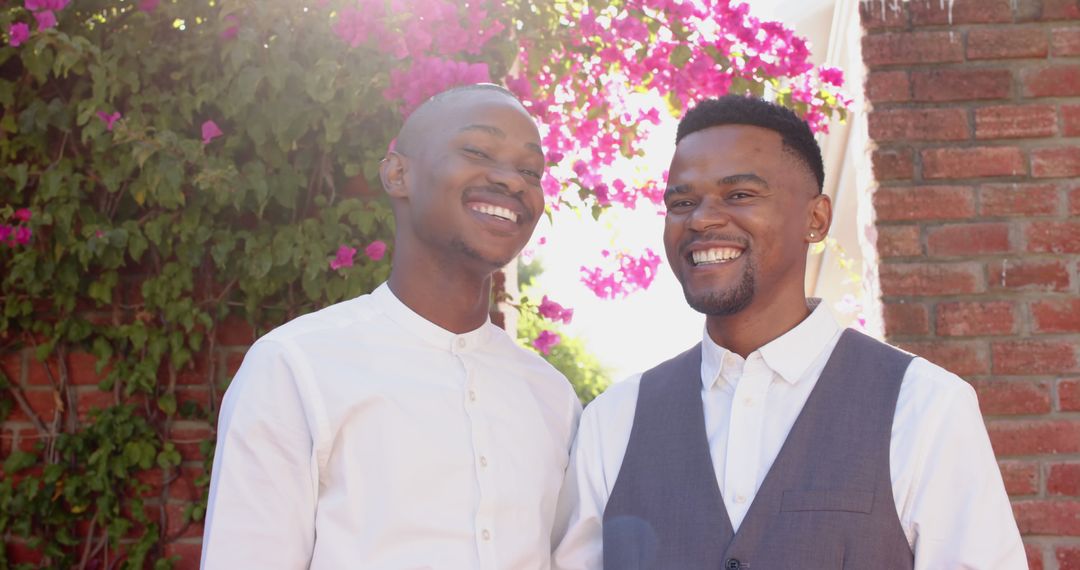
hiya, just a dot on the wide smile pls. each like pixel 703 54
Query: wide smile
pixel 494 211
pixel 714 256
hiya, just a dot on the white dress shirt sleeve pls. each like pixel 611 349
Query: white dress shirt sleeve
pixel 261 511
pixel 956 513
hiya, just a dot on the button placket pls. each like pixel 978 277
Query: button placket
pixel 744 437
pixel 481 448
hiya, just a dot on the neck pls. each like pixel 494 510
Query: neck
pixel 458 303
pixel 755 326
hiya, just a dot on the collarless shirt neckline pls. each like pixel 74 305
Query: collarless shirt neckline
pixel 390 305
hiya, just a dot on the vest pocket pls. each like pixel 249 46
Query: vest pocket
pixel 850 501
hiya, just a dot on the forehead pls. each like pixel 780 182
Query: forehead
pixel 726 147
pixel 485 108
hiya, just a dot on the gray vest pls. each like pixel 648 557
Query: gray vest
pixel 826 503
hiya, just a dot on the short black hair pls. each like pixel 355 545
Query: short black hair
pixel 738 110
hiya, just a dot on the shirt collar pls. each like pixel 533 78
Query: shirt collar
pixel 789 355
pixel 388 303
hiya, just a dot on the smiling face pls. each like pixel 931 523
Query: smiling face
pixel 467 188
pixel 740 208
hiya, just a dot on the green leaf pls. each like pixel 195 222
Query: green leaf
pixel 680 55
pixel 19 460
pixel 167 404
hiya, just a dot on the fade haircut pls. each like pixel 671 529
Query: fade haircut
pixel 738 110
pixel 418 121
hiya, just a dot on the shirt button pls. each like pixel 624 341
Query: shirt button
pixel 748 401
pixel 486 534
pixel 740 499
pixel 461 342
pixel 483 461
pixel 472 395
pixel 732 564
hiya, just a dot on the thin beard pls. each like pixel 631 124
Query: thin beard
pixel 722 304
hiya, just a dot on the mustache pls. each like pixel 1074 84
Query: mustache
pixel 713 237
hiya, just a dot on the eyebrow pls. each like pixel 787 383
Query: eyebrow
pixel 677 189
pixel 744 178
pixel 497 132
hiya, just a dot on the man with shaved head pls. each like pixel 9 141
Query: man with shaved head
pixel 401 429
pixel 781 441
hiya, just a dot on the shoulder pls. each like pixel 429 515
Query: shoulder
pixel 324 323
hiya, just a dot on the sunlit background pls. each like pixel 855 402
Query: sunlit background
pixel 632 334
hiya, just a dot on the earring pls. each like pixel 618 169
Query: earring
pixel 812 235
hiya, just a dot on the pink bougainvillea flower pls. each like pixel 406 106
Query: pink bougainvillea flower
pixel 553 311
pixel 54 5
pixel 375 250
pixel 45 19
pixel 545 341
pixel 352 26
pixel 23 235
pixel 109 118
pixel 148 5
pixel 230 32
pixel 5 233
pixel 832 76
pixel 210 131
pixel 633 274
pixel 343 257
pixel 23 214
pixel 18 33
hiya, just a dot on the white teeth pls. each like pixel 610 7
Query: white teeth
pixel 497 211
pixel 715 255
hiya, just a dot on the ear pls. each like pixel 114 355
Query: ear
pixel 392 173
pixel 819 218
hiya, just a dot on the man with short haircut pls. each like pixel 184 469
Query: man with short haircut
pixel 402 429
pixel 781 441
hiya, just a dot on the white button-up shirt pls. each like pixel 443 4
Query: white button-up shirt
pixel 948 489
pixel 364 436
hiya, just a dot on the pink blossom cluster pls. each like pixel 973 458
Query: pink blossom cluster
pixel 18 233
pixel 686 50
pixel 546 340
pixel 346 256
pixel 44 12
pixel 433 39
pixel 631 274
pixel 555 312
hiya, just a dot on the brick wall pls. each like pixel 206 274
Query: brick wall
pixel 975 116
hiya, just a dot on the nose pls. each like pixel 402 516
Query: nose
pixel 710 213
pixel 506 176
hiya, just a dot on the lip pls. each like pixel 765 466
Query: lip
pixel 499 200
pixel 688 250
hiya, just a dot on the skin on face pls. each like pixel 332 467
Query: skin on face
pixel 467 191
pixel 740 211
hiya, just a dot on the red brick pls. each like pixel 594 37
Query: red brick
pixel 1064 479
pixel 1052 81
pixel 1070 116
pixel 883 15
pixel 960 12
pixel 1074 202
pixel 1065 41
pixel 233 360
pixel 898 241
pixel 930 278
pixel 235 331
pixel 1007 397
pixel 1047 10
pixel 1021 477
pixel 196 372
pixel 28 439
pixel 973 162
pixel 200 395
pixel 1056 316
pixel 188 554
pixel 38 372
pixel 176 523
pixel 1034 556
pixel 968 239
pixel 961 84
pixel 1054 237
pixel 1006 43
pixel 908 48
pixel 905 319
pixel 1055 162
pixel 1013 122
pixel 1069 395
pixel 891 164
pixel 91 399
pixel 183 486
pixel 18 552
pixel 961 358
pixel 974 318
pixel 1032 437
pixel 887 87
pixel 1018 199
pixel 187 436
pixel 1068 557
pixel 42 402
pixel 1048 517
pixel 924 203
pixel 1029 357
pixel 1024 274
pixel 919 125
pixel 81 369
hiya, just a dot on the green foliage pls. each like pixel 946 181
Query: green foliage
pixel 146 239
pixel 571 356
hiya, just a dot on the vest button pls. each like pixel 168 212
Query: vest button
pixel 732 564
